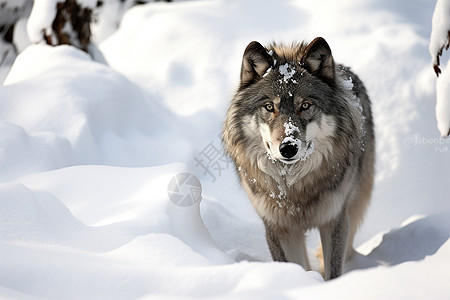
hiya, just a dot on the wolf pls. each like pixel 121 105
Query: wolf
pixel 300 133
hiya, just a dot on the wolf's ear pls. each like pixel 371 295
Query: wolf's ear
pixel 318 60
pixel 255 63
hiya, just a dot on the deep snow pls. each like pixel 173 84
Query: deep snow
pixel 87 151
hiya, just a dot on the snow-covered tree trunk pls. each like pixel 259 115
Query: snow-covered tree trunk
pixel 61 22
pixel 440 40
pixel 71 25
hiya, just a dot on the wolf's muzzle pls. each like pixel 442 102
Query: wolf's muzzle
pixel 288 150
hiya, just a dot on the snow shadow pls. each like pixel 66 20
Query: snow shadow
pixel 412 242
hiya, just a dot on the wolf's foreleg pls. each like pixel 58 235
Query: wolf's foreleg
pixel 334 236
pixel 294 246
pixel 273 241
pixel 287 244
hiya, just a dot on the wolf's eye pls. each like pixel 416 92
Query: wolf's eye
pixel 269 107
pixel 305 106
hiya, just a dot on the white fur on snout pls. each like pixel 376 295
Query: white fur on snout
pixel 265 134
pixel 273 148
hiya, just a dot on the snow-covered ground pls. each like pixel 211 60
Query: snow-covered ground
pixel 87 151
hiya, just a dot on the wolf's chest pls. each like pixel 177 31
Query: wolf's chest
pixel 306 201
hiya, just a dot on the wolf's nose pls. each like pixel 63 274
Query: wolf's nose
pixel 288 150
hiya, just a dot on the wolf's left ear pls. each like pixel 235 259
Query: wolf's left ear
pixel 318 60
pixel 255 63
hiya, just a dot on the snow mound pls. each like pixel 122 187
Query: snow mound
pixel 149 245
pixel 98 116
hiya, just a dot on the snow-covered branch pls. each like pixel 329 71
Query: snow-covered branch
pixel 440 34
pixel 440 40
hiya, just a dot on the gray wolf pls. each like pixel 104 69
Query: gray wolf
pixel 299 130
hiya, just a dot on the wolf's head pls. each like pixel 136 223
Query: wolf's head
pixel 289 95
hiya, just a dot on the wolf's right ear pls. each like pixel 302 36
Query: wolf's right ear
pixel 255 63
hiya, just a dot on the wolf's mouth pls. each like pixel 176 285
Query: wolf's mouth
pixel 289 161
